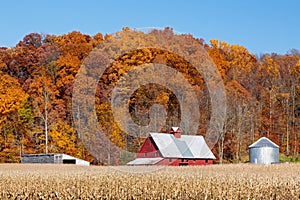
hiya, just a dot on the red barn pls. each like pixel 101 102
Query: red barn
pixel 173 149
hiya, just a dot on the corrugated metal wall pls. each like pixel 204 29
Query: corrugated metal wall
pixel 35 158
pixel 264 155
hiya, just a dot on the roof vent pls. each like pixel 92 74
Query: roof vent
pixel 176 131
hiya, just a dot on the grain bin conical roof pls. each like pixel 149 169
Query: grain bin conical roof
pixel 263 142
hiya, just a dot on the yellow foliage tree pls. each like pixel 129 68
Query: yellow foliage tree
pixel 11 95
pixel 63 139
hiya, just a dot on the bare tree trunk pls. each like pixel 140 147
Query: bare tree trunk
pixel 271 103
pixel 221 148
pixel 46 99
pixel 108 154
pixel 287 127
pixel 252 125
pixel 239 132
pixel 293 119
pixel 46 129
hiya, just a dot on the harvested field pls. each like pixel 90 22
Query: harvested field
pixel 242 181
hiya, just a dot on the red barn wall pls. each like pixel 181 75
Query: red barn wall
pixel 148 150
pixel 179 161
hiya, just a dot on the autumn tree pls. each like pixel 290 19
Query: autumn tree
pixel 11 98
pixel 47 107
pixel 37 81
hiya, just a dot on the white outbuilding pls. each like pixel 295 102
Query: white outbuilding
pixel 53 159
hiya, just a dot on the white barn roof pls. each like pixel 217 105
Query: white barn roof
pixel 187 146
pixel 263 142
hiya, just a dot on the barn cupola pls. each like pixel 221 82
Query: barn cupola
pixel 176 131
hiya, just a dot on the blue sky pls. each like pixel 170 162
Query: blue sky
pixel 261 26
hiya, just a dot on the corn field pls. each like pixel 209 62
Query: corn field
pixel 240 181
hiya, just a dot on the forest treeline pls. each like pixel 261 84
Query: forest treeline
pixel 36 84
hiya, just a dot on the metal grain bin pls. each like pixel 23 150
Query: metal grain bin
pixel 264 151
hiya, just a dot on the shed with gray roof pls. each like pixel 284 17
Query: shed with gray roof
pixel 52 159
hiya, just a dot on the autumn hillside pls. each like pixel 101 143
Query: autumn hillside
pixel 36 85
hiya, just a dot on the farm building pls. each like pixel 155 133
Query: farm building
pixel 53 158
pixel 173 149
pixel 264 151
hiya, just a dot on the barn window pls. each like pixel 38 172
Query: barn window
pixel 182 160
pixel 206 161
pixel 170 159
